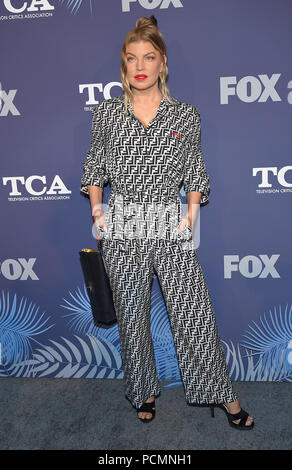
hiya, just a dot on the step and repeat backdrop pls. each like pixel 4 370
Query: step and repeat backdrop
pixel 229 58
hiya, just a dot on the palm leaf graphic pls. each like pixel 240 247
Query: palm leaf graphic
pixel 17 369
pixel 74 5
pixel 90 357
pixel 19 324
pixel 234 361
pixel 80 310
pixel 269 340
pixel 243 367
pixel 240 367
pixel 82 321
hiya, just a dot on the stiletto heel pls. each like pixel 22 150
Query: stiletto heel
pixel 212 411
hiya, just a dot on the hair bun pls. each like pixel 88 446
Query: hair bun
pixel 143 21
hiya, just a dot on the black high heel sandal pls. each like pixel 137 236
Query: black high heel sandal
pixel 147 408
pixel 242 415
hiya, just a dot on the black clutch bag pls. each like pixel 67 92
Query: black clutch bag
pixel 98 288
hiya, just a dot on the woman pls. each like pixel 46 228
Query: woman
pixel 147 143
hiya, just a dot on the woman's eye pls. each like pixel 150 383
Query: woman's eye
pixel 129 58
pixel 150 57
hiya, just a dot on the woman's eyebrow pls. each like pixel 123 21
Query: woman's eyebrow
pixel 152 52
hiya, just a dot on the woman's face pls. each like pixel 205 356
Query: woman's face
pixel 144 63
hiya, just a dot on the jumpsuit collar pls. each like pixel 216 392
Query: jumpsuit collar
pixel 161 111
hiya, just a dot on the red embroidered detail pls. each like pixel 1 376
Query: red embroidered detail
pixel 176 134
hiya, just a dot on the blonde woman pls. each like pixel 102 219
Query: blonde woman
pixel 147 144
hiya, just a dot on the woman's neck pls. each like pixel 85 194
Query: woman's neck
pixel 144 97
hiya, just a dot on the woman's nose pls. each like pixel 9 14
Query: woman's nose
pixel 140 64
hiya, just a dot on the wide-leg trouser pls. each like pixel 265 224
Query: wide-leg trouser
pixel 129 264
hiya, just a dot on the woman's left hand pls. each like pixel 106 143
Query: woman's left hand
pixel 184 221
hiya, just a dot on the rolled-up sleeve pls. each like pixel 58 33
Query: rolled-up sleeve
pixel 94 167
pixel 195 174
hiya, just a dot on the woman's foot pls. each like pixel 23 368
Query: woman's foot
pixel 145 415
pixel 234 408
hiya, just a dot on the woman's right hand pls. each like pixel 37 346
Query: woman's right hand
pixel 99 222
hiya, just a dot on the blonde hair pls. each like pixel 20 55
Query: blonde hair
pixel 146 29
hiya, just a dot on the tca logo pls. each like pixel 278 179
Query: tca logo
pixel 250 89
pixel 6 102
pixel 279 173
pixel 105 90
pixel 151 4
pixel 251 266
pixel 33 5
pixel 57 186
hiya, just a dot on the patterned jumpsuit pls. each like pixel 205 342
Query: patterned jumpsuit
pixel 146 168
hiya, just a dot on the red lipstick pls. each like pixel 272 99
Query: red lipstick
pixel 140 76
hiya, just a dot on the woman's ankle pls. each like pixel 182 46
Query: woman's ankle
pixel 150 400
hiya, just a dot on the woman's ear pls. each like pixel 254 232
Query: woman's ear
pixel 164 60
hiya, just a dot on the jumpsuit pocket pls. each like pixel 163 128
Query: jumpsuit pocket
pixel 185 239
pixel 186 233
pixel 100 232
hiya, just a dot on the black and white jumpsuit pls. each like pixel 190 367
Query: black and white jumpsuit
pixel 146 168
